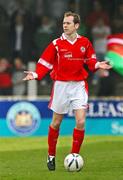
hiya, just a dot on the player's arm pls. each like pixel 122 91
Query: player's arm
pixel 103 65
pixel 44 64
pixel 30 75
pixel 92 62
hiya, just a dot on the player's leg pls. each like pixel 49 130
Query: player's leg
pixel 78 133
pixel 79 105
pixel 54 133
pixel 52 139
pixel 59 105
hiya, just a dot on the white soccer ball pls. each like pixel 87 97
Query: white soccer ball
pixel 73 162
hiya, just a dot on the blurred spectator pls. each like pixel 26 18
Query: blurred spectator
pixel 117 23
pixel 97 13
pixel 5 77
pixel 19 86
pixel 107 83
pixel 82 29
pixel 58 31
pixel 4 23
pixel 44 34
pixel 11 7
pixel 39 8
pixel 72 5
pixel 20 8
pixel 56 8
pixel 3 16
pixel 100 31
pixel 20 39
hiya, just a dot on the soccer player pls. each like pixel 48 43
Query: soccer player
pixel 65 58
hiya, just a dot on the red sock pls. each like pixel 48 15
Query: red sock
pixel 78 136
pixel 52 140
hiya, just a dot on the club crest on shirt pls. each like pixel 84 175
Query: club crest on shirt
pixel 82 49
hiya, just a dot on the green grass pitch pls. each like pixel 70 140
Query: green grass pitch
pixel 25 159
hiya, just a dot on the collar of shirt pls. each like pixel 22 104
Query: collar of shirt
pixel 72 42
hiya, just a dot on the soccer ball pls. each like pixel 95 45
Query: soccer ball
pixel 73 162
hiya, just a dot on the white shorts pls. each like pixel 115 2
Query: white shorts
pixel 66 95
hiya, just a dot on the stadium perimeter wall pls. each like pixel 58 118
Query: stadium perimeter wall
pixel 31 117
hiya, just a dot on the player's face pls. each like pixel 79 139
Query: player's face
pixel 68 25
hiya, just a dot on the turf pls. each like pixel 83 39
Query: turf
pixel 25 159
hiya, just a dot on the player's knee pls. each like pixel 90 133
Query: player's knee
pixel 55 124
pixel 80 123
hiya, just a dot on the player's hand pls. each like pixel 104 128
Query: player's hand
pixel 104 65
pixel 30 75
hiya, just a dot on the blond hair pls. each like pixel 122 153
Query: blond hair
pixel 75 16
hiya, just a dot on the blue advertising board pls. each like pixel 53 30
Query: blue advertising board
pixel 32 118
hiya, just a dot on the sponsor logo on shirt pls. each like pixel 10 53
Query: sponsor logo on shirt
pixel 68 55
pixel 62 50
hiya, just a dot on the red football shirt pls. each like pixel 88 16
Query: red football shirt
pixel 66 59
